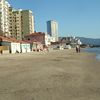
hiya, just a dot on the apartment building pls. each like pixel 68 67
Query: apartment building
pixel 15 23
pixel 4 18
pixel 12 22
pixel 27 22
pixel 21 23
pixel 52 29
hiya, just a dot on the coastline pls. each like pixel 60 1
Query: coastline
pixel 95 51
pixel 54 75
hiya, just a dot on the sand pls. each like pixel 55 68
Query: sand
pixel 56 75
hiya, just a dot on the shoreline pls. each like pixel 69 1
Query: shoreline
pixel 97 55
pixel 51 51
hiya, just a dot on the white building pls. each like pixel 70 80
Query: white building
pixel 49 39
pixel 52 29
pixel 25 47
pixel 15 23
pixel 4 18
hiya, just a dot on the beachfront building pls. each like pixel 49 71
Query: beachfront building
pixel 21 23
pixel 41 37
pixel 48 39
pixel 4 18
pixel 36 37
pixel 73 41
pixel 39 40
pixel 27 20
pixel 25 47
pixel 15 25
pixel 12 44
pixel 52 29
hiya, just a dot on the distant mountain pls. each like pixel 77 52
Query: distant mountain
pixel 89 41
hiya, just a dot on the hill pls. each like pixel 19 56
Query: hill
pixel 90 41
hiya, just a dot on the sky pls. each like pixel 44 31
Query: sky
pixel 74 17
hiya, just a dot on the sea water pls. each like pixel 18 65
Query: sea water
pixel 94 50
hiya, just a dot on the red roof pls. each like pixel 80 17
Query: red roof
pixel 9 39
pixel 36 33
pixel 54 43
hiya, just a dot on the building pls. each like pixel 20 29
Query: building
pixel 52 29
pixel 4 18
pixel 21 23
pixel 15 24
pixel 36 37
pixel 27 22
pixel 38 40
pixel 12 44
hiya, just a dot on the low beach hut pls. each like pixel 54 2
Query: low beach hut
pixel 12 43
pixel 15 47
pixel 25 47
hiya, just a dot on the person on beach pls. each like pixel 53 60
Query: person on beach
pixel 77 48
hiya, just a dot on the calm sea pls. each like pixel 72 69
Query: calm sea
pixel 94 50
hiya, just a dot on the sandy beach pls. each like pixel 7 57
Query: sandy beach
pixel 56 75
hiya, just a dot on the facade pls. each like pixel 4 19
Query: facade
pixel 15 25
pixel 52 29
pixel 4 18
pixel 38 40
pixel 21 23
pixel 27 22
pixel 48 39
pixel 36 37
pixel 13 45
pixel 25 47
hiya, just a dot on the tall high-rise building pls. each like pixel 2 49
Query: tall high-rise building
pixel 15 24
pixel 27 22
pixel 22 23
pixel 52 29
pixel 4 18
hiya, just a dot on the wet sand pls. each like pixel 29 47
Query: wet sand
pixel 56 75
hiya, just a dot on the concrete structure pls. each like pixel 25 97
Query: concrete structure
pixel 49 39
pixel 21 23
pixel 13 44
pixel 36 37
pixel 27 22
pixel 4 18
pixel 52 29
pixel 16 24
pixel 38 40
pixel 25 47
pixel 70 41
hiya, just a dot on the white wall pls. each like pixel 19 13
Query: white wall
pixel 15 47
pixel 25 48
pixel 28 47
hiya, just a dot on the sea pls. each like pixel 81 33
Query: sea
pixel 94 50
